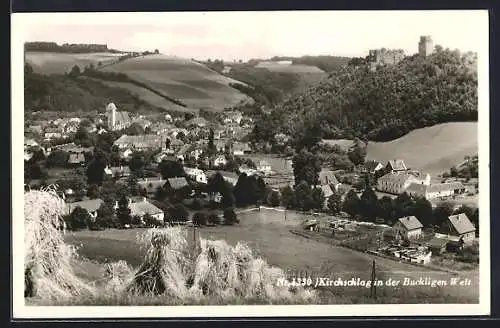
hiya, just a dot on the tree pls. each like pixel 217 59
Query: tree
pixel 303 196
pixel 306 167
pixel 213 219
pixel 106 216
pixel 95 169
pixel 171 169
pixel 288 197
pixel 211 146
pixel 123 211
pixel 334 203
pixel 369 204
pixel 357 153
pixel 228 199
pixel 137 162
pixel 442 212
pixel 230 217
pixel 200 219
pixel 79 218
pixel 387 209
pixel 422 209
pixel 82 136
pixel 242 190
pixel 178 212
pixel 93 191
pixel 318 199
pixel 57 158
pixel 149 220
pixel 273 198
pixel 351 204
pixel 404 205
pixel 135 129
pixel 75 71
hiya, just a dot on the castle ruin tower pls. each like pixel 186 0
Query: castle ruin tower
pixel 111 113
pixel 425 46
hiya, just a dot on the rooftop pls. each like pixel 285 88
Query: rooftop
pixel 410 223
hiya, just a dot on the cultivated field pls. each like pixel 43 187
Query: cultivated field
pixel 60 63
pixel 432 149
pixel 192 83
pixel 268 233
pixel 289 68
pixel 150 97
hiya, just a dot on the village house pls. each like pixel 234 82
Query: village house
pixel 436 190
pixel 76 159
pixel 117 120
pixel 117 171
pixel 396 165
pixel 264 167
pixel 327 193
pixel 197 121
pixel 219 161
pixel 196 174
pixel 247 170
pixel 220 145
pixel 229 177
pixel 241 148
pixel 176 184
pixel 141 206
pixel 373 167
pixel 176 144
pixel 407 228
pixel 397 182
pixel 150 185
pixel 233 117
pixel 327 177
pixel 459 226
pixel 52 133
pixel 91 205
pixel 30 142
pixel 36 129
pixel 140 142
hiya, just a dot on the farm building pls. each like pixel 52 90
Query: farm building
pixel 141 206
pixel 396 165
pixel 398 182
pixel 117 171
pixel 241 148
pixel 407 228
pixel 437 190
pixel 140 142
pixel 459 226
pixel 437 245
pixel 327 177
pixel 229 177
pixel 177 183
pixel 264 166
pixel 76 159
pixel 196 174
pixel 91 205
pixel 373 167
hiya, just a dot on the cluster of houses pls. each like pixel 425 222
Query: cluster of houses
pixel 399 179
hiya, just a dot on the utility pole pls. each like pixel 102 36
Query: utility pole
pixel 373 289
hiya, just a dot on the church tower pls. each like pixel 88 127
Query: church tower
pixel 111 113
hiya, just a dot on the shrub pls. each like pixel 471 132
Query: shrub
pixel 200 219
pixel 230 217
pixel 213 219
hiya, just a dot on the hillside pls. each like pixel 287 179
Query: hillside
pixel 433 149
pixel 60 63
pixel 192 83
pixel 77 94
pixel 289 68
pixel 381 105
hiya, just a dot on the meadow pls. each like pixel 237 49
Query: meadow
pixel 289 68
pixel 192 83
pixel 268 234
pixel 60 63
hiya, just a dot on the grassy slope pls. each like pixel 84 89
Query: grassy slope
pixel 192 83
pixel 269 235
pixel 60 63
pixel 285 68
pixel 433 149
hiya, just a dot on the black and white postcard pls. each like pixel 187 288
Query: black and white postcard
pixel 294 163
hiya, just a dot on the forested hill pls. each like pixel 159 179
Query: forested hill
pixel 381 105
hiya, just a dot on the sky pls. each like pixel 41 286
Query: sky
pixel 246 35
